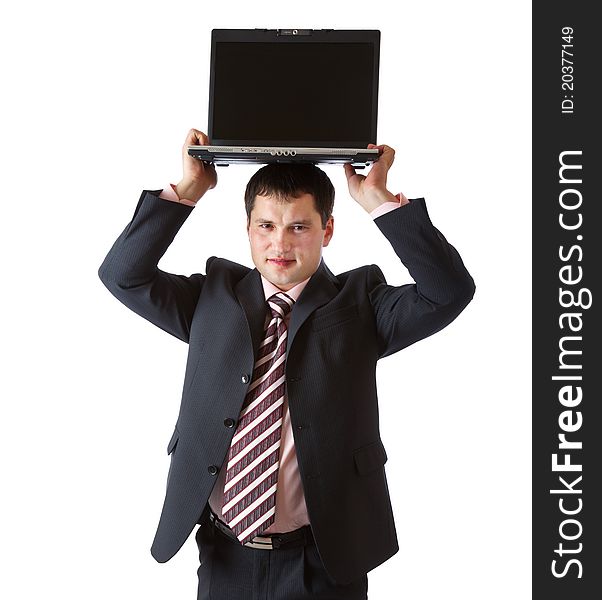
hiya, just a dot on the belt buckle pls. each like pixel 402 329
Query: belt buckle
pixel 263 543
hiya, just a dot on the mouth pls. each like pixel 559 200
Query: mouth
pixel 280 262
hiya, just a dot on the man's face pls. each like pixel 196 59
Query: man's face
pixel 286 239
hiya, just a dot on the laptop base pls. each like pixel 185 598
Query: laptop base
pixel 225 155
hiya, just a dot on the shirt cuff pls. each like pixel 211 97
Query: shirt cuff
pixel 169 193
pixel 388 206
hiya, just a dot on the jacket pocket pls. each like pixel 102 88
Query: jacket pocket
pixel 369 458
pixel 173 441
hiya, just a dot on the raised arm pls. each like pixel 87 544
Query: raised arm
pixel 130 271
pixel 443 287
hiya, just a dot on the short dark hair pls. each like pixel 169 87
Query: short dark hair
pixel 292 180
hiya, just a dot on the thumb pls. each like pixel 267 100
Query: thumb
pixel 349 171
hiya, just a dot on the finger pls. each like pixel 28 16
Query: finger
pixel 211 168
pixel 349 171
pixel 385 149
pixel 387 154
pixel 203 139
pixel 382 147
pixel 196 137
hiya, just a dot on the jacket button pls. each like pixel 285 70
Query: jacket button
pixel 229 422
pixel 212 469
pixel 245 378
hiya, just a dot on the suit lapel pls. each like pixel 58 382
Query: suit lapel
pixel 249 291
pixel 320 289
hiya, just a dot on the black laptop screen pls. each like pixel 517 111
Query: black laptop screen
pixel 297 93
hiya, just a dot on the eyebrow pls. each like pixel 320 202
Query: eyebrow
pixel 299 222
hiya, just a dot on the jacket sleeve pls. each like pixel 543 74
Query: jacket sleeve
pixel 442 289
pixel 130 270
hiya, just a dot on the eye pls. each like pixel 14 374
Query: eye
pixel 264 225
pixel 298 227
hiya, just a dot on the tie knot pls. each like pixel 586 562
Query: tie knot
pixel 280 304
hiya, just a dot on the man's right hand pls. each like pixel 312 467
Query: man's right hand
pixel 197 176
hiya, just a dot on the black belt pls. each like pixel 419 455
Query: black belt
pixel 290 539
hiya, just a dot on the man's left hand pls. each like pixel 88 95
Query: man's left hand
pixel 370 191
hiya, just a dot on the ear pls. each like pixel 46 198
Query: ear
pixel 329 230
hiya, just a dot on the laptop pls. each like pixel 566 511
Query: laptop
pixel 292 95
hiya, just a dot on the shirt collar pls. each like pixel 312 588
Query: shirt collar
pixel 269 289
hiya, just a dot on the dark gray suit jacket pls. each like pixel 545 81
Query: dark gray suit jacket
pixel 339 328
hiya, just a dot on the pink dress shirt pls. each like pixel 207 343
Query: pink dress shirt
pixel 291 510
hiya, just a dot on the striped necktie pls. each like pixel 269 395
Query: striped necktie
pixel 249 502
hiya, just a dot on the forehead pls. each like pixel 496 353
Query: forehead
pixel 272 206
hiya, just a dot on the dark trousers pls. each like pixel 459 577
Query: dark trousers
pixel 231 571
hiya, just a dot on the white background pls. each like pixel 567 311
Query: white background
pixel 97 101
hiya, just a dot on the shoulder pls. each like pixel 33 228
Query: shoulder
pixel 357 273
pixel 362 277
pixel 217 268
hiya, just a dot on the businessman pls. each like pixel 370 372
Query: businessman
pixel 276 452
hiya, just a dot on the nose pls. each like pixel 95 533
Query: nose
pixel 281 242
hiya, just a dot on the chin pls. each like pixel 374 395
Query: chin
pixel 283 282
